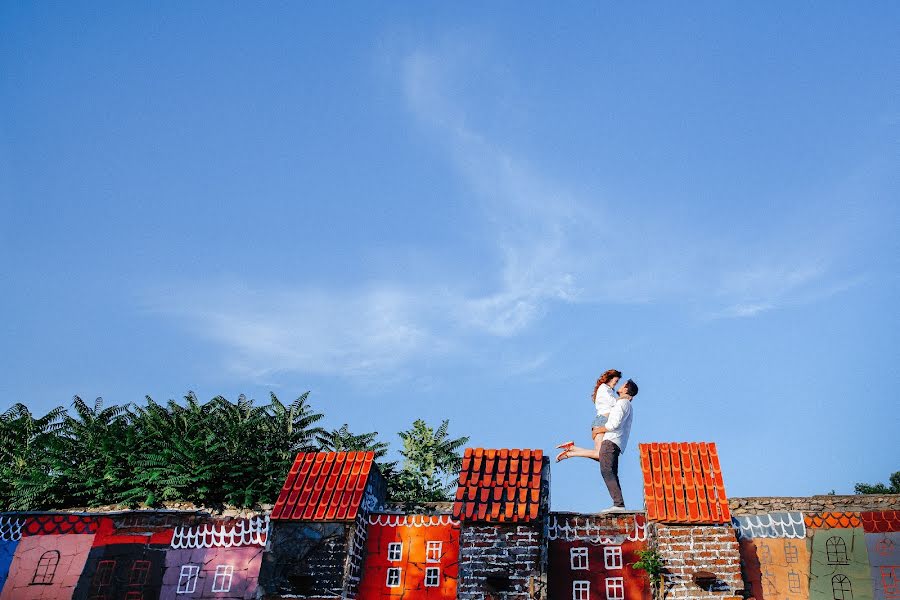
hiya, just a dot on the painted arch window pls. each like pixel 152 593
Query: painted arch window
pixel 615 588
pixel 46 568
pixel 578 558
pixel 836 550
pixel 841 588
pixel 581 590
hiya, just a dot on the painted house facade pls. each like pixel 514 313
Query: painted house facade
pixel 331 535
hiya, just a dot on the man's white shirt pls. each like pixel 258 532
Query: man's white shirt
pixel 618 427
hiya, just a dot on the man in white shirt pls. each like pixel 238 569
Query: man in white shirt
pixel 615 438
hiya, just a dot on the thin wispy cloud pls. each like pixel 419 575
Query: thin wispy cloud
pixel 549 245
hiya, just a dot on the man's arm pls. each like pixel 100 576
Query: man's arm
pixel 615 417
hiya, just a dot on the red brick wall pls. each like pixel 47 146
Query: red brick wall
pixel 689 549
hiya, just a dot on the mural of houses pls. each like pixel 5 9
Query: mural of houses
pixel 331 535
pixel 839 563
pixel 774 558
pixel 415 557
pixel 591 556
pixel 882 531
pixel 320 524
pixel 215 559
pixel 49 557
pixel 502 500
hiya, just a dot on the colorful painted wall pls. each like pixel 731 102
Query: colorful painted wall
pixel 415 557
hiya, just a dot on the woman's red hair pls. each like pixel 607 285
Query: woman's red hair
pixel 605 378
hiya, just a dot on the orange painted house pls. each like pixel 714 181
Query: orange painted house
pixel 413 556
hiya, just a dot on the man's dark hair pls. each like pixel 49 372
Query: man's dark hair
pixel 631 388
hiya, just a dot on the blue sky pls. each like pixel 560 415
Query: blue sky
pixel 467 212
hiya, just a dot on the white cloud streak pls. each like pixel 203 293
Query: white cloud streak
pixel 545 241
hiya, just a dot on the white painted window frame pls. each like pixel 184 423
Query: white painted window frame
pixel 392 547
pixel 612 557
pixel 615 588
pixel 581 589
pixel 433 550
pixel 223 573
pixel 398 572
pixel 187 579
pixel 434 575
pixel 578 558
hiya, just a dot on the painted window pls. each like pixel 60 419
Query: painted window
pixel 578 558
pixel 581 590
pixel 140 569
pixel 768 578
pixel 393 577
pixel 794 582
pixel 836 550
pixel 890 581
pixel 615 588
pixel 791 555
pixel 187 580
pixel 765 554
pixel 841 588
pixel 395 551
pixel 432 577
pixel 222 578
pixel 885 547
pixel 612 557
pixel 102 578
pixel 433 551
pixel 46 568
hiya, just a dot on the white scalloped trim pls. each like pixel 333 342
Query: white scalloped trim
pixel 247 532
pixel 412 520
pixel 569 531
pixel 11 528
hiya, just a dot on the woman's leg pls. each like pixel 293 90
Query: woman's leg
pixel 576 451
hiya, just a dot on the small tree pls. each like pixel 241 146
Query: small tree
pixel 431 462
pixel 880 488
pixel 343 440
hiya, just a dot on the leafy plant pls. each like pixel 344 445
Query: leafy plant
pixel 430 466
pixel 893 486
pixel 650 562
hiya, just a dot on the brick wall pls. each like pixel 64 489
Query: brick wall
pixel 689 549
pixel 855 503
pixel 506 556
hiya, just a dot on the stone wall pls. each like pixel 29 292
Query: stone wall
pixel 689 550
pixel 827 503
pixel 502 562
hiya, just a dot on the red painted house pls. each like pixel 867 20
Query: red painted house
pixel 411 556
pixel 591 557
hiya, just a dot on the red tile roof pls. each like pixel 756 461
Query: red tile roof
pixel 832 520
pixel 324 486
pixel 500 486
pixel 881 522
pixel 683 483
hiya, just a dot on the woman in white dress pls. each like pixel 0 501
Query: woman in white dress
pixel 604 397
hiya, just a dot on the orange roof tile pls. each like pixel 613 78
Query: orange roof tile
pixel 881 522
pixel 832 520
pixel 500 486
pixel 324 486
pixel 683 483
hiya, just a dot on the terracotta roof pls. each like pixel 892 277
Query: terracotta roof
pixel 833 520
pixel 324 486
pixel 59 524
pixel 881 522
pixel 683 483
pixel 499 486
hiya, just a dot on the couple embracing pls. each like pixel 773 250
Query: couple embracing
pixel 610 431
